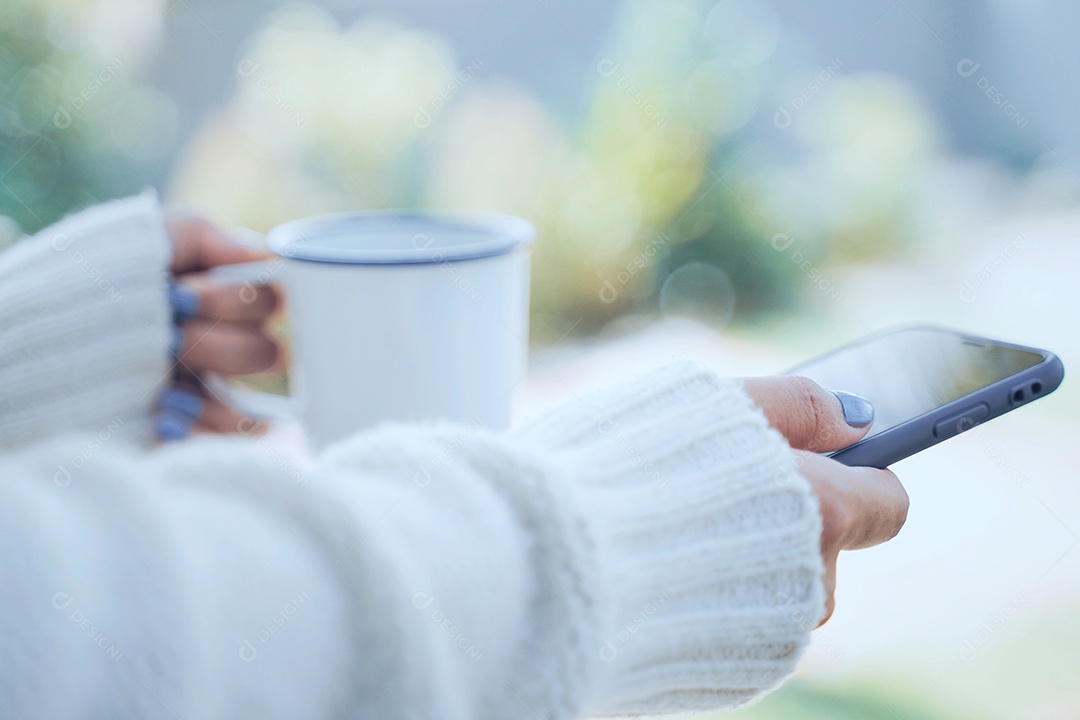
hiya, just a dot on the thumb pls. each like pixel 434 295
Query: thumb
pixel 198 244
pixel 809 416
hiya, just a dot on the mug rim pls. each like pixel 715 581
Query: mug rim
pixel 505 233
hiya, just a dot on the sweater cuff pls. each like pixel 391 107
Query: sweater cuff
pixel 712 541
pixel 84 324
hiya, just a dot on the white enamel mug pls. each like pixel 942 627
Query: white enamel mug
pixel 404 316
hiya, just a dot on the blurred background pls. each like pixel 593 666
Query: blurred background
pixel 745 181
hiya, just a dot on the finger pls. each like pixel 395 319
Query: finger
pixel 829 581
pixel 200 428
pixel 186 410
pixel 879 506
pixel 226 348
pixel 172 427
pixel 198 244
pixel 234 303
pixel 219 418
pixel 860 507
pixel 809 416
pixel 177 412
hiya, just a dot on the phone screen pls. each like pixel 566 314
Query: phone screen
pixel 911 372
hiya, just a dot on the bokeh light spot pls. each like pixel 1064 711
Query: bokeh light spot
pixel 700 291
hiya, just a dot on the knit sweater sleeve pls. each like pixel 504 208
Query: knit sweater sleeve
pixel 83 323
pixel 650 549
pixel 707 542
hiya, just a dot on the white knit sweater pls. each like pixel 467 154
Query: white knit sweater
pixel 649 549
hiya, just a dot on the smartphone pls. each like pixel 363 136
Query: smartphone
pixel 929 384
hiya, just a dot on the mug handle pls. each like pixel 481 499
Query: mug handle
pixel 259 405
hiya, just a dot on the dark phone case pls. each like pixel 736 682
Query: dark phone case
pixel 955 417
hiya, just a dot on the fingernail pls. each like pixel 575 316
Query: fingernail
pixel 858 411
pixel 176 339
pixel 172 426
pixel 183 402
pixel 184 302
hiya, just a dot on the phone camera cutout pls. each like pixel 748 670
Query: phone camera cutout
pixel 1036 387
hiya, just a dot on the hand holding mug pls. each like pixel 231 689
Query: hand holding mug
pixel 394 315
pixel 218 328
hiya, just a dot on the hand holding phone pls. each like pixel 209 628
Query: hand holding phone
pixel 860 506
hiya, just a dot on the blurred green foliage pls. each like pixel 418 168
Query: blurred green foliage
pixel 654 197
pixel 76 128
pixel 329 118
pixel 851 701
pixel 49 163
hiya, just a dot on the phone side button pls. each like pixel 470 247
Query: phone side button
pixel 962 421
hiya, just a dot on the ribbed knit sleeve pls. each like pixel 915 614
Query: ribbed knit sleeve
pixel 83 324
pixel 708 541
pixel 665 557
pixel 650 549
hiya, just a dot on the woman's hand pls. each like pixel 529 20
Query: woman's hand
pixel 860 507
pixel 218 328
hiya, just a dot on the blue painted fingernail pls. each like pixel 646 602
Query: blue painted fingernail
pixel 184 302
pixel 172 426
pixel 858 411
pixel 176 339
pixel 183 402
